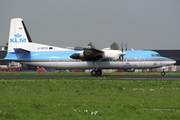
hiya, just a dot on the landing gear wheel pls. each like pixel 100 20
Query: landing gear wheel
pixel 98 72
pixel 93 73
pixel 163 73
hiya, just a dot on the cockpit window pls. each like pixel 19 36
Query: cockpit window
pixel 155 55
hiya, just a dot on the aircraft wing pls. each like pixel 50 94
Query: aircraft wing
pixel 92 52
pixel 89 54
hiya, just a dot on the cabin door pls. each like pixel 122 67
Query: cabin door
pixel 141 61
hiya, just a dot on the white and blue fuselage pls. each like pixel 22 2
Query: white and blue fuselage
pixel 61 60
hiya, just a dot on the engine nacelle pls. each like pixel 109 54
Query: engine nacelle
pixel 77 56
pixel 112 54
pixel 86 57
pixel 106 54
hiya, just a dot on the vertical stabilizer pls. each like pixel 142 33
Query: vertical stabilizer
pixel 18 35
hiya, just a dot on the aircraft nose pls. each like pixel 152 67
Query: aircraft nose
pixel 172 61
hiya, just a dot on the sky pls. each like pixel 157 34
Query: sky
pixel 142 24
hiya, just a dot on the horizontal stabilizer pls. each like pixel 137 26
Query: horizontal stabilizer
pixel 20 50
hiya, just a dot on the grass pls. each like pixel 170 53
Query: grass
pixel 89 99
pixel 88 73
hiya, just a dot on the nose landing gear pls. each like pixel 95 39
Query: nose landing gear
pixel 163 73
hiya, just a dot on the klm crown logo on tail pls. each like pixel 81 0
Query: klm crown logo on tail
pixel 17 39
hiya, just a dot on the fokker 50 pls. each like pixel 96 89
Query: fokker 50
pixel 23 50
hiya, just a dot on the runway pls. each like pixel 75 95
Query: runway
pixel 89 76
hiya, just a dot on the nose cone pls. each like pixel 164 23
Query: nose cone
pixel 123 53
pixel 171 61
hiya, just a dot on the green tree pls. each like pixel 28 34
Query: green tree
pixel 114 46
pixel 90 44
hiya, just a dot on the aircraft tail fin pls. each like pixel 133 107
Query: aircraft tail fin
pixel 19 37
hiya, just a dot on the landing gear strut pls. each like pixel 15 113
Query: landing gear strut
pixel 96 72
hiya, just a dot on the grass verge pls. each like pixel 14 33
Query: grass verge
pixel 88 73
pixel 89 98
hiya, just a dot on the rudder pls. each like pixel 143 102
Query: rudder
pixel 18 35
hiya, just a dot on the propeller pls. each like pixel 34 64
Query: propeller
pixel 122 51
pixel 122 56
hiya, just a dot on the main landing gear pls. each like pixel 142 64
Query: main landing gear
pixel 96 72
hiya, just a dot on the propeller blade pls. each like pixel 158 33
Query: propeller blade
pixel 122 47
pixel 121 57
pixel 126 46
pixel 122 51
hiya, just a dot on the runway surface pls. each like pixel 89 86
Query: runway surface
pixel 89 76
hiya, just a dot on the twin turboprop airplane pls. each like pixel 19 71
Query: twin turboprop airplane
pixel 23 50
